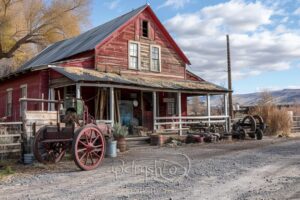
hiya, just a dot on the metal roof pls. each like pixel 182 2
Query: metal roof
pixel 84 42
pixel 78 74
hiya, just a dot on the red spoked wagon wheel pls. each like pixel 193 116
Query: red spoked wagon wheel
pixel 88 147
pixel 47 151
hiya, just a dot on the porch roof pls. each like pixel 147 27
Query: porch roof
pixel 78 74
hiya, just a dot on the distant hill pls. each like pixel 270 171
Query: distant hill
pixel 286 96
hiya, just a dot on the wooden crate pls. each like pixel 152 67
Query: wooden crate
pixel 40 118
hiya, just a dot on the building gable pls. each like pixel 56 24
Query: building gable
pixel 113 55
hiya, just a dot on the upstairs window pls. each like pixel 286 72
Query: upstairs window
pixel 145 28
pixel 9 102
pixel 134 55
pixel 155 58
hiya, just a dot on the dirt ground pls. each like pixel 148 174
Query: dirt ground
pixel 267 169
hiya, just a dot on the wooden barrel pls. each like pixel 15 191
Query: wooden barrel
pixel 157 140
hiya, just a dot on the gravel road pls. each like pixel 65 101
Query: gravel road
pixel 267 169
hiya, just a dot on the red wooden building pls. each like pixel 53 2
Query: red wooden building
pixel 127 70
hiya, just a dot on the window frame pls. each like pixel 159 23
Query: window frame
pixel 8 110
pixel 148 27
pixel 151 58
pixel 138 55
pixel 23 104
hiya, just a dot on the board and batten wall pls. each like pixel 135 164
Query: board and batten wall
pixel 112 56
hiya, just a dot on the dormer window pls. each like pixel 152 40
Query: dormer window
pixel 145 28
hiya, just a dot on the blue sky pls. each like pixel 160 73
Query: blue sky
pixel 265 37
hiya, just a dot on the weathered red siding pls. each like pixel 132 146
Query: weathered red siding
pixel 37 84
pixel 113 55
pixel 85 60
pixel 192 77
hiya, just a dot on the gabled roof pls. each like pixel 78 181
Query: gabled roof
pixel 81 43
pixel 90 39
pixel 78 74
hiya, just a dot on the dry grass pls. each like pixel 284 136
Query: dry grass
pixel 279 121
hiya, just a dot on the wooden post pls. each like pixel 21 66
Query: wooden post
pixel 179 112
pixel 42 102
pixel 51 96
pixel 226 112
pixel 78 92
pixel 229 78
pixel 112 105
pixel 154 111
pixel 208 107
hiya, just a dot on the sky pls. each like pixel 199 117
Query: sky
pixel 264 38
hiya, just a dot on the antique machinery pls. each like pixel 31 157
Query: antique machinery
pixel 78 133
pixel 253 126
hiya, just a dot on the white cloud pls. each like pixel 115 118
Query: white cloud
pixel 113 4
pixel 255 48
pixel 174 3
pixel 297 11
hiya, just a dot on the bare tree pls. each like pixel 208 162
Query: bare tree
pixel 30 25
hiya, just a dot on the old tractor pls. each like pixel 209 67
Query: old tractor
pixel 253 126
pixel 76 132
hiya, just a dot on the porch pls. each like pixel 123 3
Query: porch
pixel 145 106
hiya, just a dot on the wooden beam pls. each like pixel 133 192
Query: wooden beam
pixel 148 89
pixel 112 105
pixel 154 111
pixel 179 111
pixel 226 112
pixel 78 91
pixel 208 108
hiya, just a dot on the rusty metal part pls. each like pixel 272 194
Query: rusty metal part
pixel 51 151
pixel 88 147
pixel 87 141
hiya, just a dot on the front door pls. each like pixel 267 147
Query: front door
pixel 148 110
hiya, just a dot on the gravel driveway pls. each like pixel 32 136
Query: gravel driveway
pixel 267 169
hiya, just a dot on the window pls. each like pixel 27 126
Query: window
pixel 171 108
pixel 23 94
pixel 155 58
pixel 9 102
pixel 134 55
pixel 145 30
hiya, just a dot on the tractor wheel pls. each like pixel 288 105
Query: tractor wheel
pixel 88 147
pixel 259 122
pixel 249 122
pixel 47 152
pixel 242 134
pixel 259 134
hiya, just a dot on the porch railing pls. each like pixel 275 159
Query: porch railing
pixel 181 123
pixel 10 138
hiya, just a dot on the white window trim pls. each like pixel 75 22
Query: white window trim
pixel 139 54
pixel 159 51
pixel 24 103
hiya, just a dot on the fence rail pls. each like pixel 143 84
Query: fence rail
pixel 296 124
pixel 10 138
pixel 183 122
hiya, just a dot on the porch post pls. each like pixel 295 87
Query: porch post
pixel 226 112
pixel 51 96
pixel 112 105
pixel 78 92
pixel 208 108
pixel 179 111
pixel 154 111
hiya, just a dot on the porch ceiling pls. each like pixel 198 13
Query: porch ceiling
pixel 77 74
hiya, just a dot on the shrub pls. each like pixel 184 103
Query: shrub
pixel 278 120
